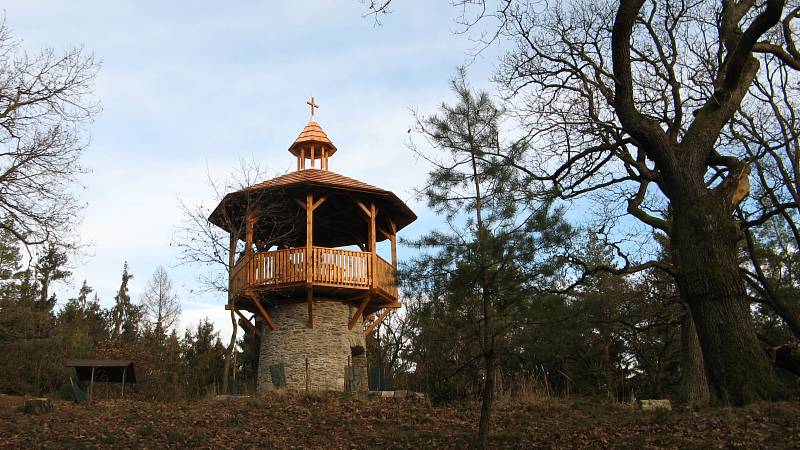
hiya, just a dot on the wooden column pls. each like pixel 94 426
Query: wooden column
pixel 373 239
pixel 248 251
pixel 251 221
pixel 91 386
pixel 309 254
pixel 393 238
pixel 312 156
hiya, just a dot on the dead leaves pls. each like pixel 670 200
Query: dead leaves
pixel 333 421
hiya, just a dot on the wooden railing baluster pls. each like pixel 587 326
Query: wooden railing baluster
pixel 329 266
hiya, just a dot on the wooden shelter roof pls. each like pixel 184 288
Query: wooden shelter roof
pixel 339 211
pixel 104 369
pixel 312 134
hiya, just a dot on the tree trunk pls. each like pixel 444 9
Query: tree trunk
pixel 227 366
pixel 487 397
pixel 610 391
pixel 45 285
pixel 694 385
pixel 705 239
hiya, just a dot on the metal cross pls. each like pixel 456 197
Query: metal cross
pixel 313 105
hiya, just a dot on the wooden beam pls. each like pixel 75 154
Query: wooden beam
pixel 264 313
pixel 385 233
pixel 364 208
pixel 394 243
pixel 377 321
pixel 359 312
pixel 249 325
pixel 301 203
pixel 318 202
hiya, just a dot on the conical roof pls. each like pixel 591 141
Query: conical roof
pixel 312 134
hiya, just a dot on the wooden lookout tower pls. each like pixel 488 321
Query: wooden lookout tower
pixel 303 262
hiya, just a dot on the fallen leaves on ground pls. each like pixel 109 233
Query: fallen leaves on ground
pixel 283 420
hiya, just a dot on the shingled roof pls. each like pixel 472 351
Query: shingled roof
pixel 317 177
pixel 317 180
pixel 312 134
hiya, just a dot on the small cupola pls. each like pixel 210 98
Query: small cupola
pixel 312 143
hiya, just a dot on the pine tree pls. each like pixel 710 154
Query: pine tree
pixel 499 234
pixel 125 316
pixel 51 267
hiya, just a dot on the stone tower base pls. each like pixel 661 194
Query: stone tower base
pixel 333 352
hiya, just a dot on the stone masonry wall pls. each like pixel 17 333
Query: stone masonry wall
pixel 327 346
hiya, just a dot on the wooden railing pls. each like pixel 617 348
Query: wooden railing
pixel 330 266
pixel 279 267
pixel 341 267
pixel 384 276
pixel 240 274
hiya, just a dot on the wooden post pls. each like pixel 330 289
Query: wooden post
pixel 393 238
pixel 125 369
pixel 307 376
pixel 251 221
pixel 91 386
pixel 372 242
pixel 309 256
pixel 312 156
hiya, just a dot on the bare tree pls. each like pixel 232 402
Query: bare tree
pixel 767 131
pixel 160 301
pixel 628 100
pixel 203 244
pixel 45 101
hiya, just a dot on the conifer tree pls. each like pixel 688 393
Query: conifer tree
pixel 125 316
pixel 496 248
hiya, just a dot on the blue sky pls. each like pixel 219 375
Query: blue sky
pixel 187 86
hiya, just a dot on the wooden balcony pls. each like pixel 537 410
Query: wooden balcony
pixel 341 270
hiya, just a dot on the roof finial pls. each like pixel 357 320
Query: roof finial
pixel 313 106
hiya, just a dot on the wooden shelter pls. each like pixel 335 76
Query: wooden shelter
pixel 311 236
pixel 105 370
